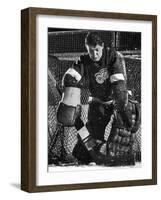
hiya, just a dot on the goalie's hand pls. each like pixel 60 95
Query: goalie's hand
pixel 129 117
pixel 123 133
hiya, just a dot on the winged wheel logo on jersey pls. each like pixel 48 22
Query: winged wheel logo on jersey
pixel 102 75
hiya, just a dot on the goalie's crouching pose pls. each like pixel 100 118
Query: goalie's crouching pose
pixel 102 70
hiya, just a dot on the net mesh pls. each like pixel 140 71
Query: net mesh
pixel 73 41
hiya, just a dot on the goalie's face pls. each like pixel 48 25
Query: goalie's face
pixel 95 52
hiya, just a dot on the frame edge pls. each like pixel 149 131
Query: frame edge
pixel 154 99
pixel 24 99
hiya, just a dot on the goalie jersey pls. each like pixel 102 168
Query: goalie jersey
pixel 99 76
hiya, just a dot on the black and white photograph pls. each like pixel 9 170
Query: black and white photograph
pixel 94 98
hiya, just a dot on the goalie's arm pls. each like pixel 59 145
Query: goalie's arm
pixel 120 96
pixel 69 106
pixel 119 90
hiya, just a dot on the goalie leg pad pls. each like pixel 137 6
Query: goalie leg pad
pixel 122 136
pixel 120 141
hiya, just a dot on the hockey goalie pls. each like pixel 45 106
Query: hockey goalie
pixel 103 71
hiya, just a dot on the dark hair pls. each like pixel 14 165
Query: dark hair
pixel 93 38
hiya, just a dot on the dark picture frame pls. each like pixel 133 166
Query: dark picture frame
pixel 28 98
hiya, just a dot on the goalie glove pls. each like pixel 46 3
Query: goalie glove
pixel 123 132
pixel 130 116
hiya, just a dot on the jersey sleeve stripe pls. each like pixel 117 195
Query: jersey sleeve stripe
pixel 117 77
pixel 74 74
